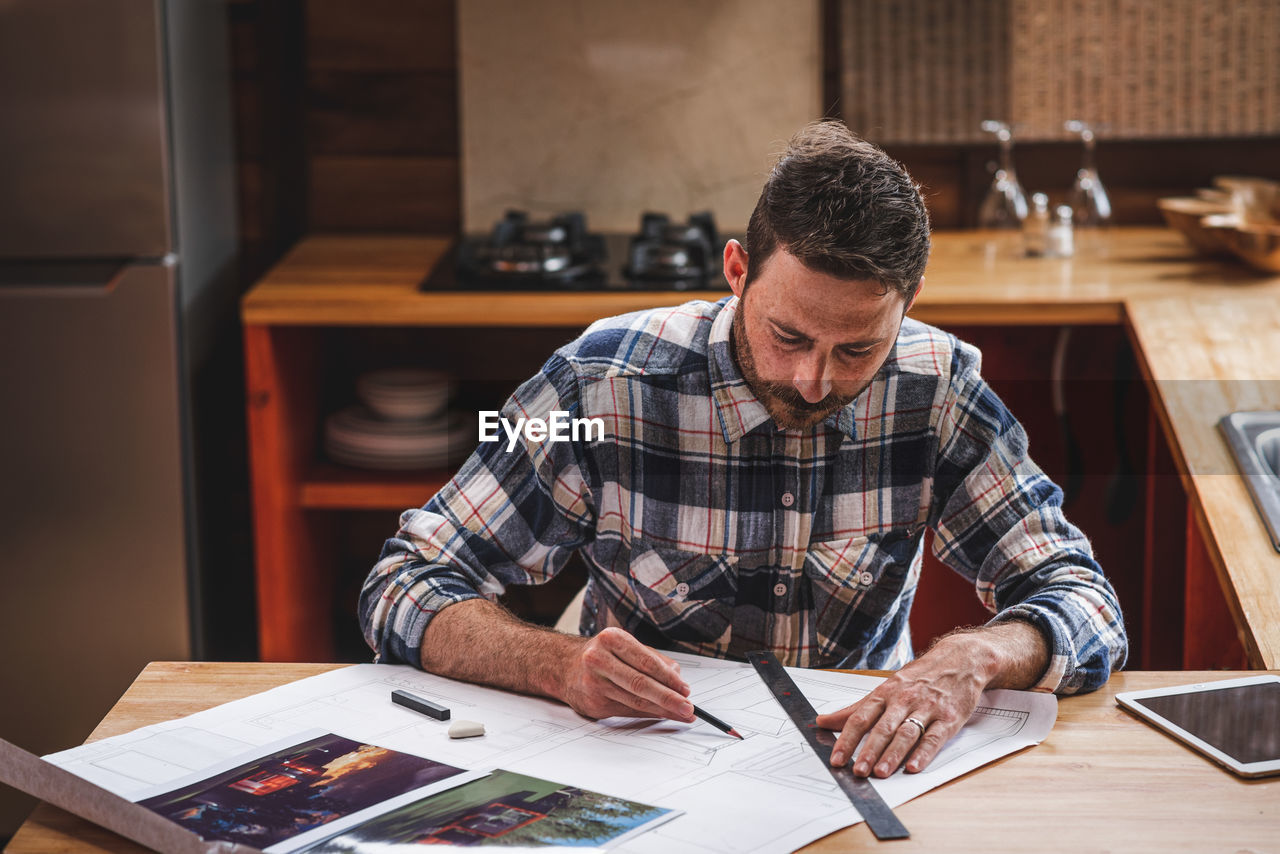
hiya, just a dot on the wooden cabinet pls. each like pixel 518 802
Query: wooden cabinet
pixel 299 499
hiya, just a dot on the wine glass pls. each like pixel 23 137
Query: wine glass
pixel 1088 197
pixel 1005 204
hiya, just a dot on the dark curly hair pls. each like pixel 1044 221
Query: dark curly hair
pixel 842 207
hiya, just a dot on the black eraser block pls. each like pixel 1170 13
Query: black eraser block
pixel 426 707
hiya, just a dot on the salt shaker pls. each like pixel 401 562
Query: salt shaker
pixel 1035 228
pixel 1061 242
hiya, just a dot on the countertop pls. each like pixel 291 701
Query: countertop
pixel 350 280
pixel 1207 333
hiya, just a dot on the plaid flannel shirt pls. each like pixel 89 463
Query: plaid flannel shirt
pixel 707 529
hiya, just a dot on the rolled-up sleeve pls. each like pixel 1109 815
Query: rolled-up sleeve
pixel 507 517
pixel 999 522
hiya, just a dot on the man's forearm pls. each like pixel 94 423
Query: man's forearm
pixel 480 641
pixel 609 674
pixel 1009 655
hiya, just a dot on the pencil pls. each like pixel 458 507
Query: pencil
pixel 716 722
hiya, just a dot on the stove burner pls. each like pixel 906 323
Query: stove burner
pixel 528 258
pixel 679 256
pixel 523 253
pixel 560 254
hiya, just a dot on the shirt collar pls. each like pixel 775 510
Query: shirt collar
pixel 737 407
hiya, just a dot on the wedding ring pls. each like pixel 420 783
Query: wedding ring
pixel 918 724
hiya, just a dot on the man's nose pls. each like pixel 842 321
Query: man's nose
pixel 812 378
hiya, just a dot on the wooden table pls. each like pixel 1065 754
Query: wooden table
pixel 1101 781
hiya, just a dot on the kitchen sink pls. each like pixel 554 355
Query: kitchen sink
pixel 1254 438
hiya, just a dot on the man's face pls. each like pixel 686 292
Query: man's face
pixel 808 343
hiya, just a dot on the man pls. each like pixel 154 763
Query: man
pixel 769 465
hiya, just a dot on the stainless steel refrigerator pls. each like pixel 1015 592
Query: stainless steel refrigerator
pixel 117 254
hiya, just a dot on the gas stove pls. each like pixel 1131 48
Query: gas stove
pixel 521 254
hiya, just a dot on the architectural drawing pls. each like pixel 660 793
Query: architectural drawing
pixel 987 726
pixel 788 764
pixel 766 793
pixel 696 743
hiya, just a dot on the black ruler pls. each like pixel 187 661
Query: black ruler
pixel 864 797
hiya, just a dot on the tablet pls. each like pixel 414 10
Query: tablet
pixel 1235 722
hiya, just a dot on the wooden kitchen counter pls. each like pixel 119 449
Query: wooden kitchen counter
pixel 1101 781
pixel 334 280
pixel 1206 355
pixel 1207 334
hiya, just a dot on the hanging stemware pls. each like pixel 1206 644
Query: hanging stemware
pixel 1089 198
pixel 1005 204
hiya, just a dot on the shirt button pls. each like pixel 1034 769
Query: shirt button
pixel 682 589
pixel 779 589
pixel 788 499
pixel 865 577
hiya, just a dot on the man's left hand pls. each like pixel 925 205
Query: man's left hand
pixel 913 713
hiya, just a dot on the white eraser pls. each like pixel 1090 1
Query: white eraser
pixel 465 729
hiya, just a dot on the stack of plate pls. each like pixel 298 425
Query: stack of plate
pixel 403 424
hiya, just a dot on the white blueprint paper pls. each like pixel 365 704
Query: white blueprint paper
pixel 767 793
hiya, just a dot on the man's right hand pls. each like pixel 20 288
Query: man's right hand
pixel 615 674
pixel 610 674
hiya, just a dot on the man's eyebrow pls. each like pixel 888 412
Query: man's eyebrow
pixel 856 345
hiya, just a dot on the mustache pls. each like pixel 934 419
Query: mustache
pixel 787 394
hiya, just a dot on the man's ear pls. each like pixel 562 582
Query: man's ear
pixel 912 301
pixel 735 267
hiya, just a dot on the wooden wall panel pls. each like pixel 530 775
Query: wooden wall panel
pixel 388 35
pixel 247 113
pixel 249 183
pixel 267 60
pixel 384 194
pixel 382 116
pixel 938 170
pixel 382 113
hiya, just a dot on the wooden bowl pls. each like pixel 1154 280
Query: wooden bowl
pixel 1184 214
pixel 1256 200
pixel 1257 244
pixel 1214 194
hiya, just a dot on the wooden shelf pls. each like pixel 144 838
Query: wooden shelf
pixel 328 486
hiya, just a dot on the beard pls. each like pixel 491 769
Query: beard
pixel 785 405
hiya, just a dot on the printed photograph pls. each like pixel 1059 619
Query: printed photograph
pixel 294 790
pixel 504 809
